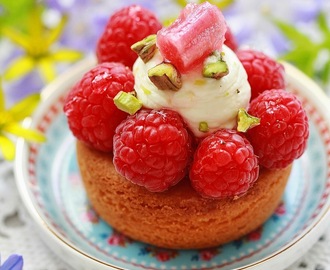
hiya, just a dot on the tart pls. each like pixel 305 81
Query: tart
pixel 180 217
pixel 192 146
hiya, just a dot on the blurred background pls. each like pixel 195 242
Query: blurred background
pixel 39 39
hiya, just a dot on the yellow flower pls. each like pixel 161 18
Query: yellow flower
pixel 10 123
pixel 39 50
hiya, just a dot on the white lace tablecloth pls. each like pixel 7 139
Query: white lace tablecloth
pixel 19 235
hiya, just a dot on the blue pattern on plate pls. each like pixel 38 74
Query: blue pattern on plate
pixel 65 206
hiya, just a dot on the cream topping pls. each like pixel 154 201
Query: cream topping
pixel 200 99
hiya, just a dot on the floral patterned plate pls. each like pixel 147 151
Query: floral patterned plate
pixel 50 186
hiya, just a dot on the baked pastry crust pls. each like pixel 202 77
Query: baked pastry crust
pixel 178 218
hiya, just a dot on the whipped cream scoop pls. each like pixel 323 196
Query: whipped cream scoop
pixel 200 99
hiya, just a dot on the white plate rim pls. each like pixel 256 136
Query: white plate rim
pixel 62 246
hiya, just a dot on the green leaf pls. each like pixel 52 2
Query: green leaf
pixel 14 13
pixel 66 55
pixel 304 60
pixel 19 68
pixel 182 2
pixel 168 21
pixel 324 28
pixel 304 51
pixel 297 38
pixel 28 134
pixel 2 98
pixel 309 66
pixel 323 24
pixel 24 107
pixel 221 4
pixel 325 72
pixel 7 148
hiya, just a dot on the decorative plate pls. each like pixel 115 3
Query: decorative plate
pixel 50 186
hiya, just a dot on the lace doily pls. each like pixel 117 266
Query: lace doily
pixel 18 234
pixel 17 231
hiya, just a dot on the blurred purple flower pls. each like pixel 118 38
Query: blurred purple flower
pixel 14 262
pixel 307 13
pixel 64 5
pixel 145 3
pixel 280 42
pixel 251 21
pixel 87 20
pixel 85 25
pixel 16 90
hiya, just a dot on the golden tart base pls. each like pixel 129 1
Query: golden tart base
pixel 178 218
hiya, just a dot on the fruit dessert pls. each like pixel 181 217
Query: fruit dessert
pixel 192 145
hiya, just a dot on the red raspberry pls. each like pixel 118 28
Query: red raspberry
pixel 124 28
pixel 230 40
pixel 264 73
pixel 224 165
pixel 152 149
pixel 282 134
pixel 89 107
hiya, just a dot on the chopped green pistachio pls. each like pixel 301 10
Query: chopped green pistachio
pixel 246 121
pixel 203 127
pixel 145 90
pixel 127 102
pixel 215 70
pixel 165 76
pixel 214 66
pixel 146 48
pixel 200 82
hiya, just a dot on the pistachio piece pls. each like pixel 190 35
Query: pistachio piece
pixel 203 127
pixel 215 70
pixel 127 102
pixel 165 76
pixel 214 66
pixel 246 121
pixel 145 48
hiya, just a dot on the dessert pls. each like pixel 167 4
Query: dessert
pixel 184 150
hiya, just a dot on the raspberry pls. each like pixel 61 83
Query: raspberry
pixel 230 40
pixel 152 149
pixel 224 165
pixel 124 28
pixel 89 107
pixel 264 73
pixel 282 134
